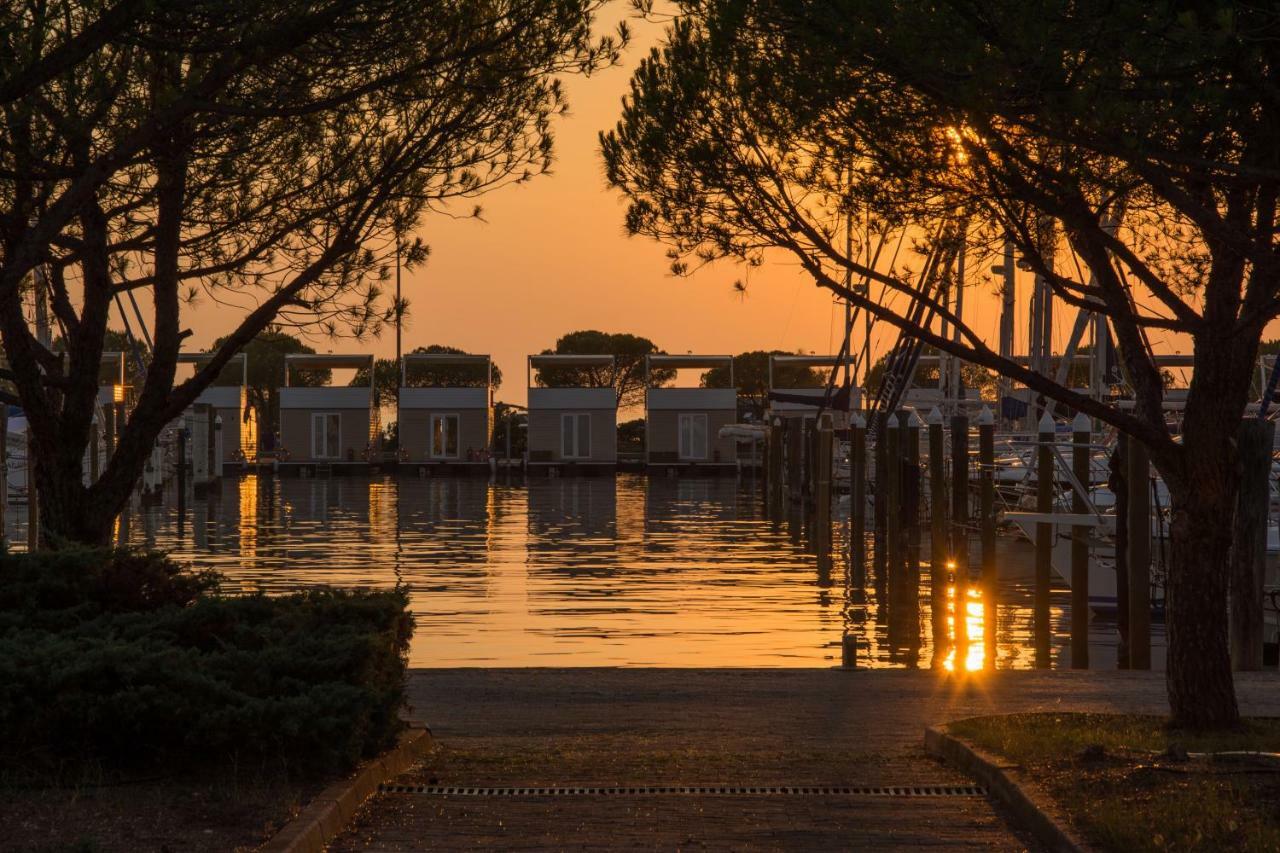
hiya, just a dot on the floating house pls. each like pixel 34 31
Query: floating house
pixel 806 402
pixel 446 425
pixel 328 427
pixel 234 420
pixel 682 424
pixel 571 428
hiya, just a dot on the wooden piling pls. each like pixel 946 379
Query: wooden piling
pixel 911 513
pixel 795 458
pixel 1249 543
pixel 822 463
pixel 938 549
pixel 1139 557
pixel 774 453
pixel 858 494
pixel 1046 478
pixel 960 531
pixel 987 526
pixel 1081 452
pixel 893 499
pixel 879 506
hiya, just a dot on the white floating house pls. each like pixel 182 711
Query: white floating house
pixel 576 427
pixel 329 425
pixel 805 402
pixel 236 441
pixel 682 424
pixel 445 426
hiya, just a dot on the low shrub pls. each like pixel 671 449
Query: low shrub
pixel 127 657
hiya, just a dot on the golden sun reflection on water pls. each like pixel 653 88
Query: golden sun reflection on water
pixel 973 638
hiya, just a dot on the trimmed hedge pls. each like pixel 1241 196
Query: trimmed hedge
pixel 127 657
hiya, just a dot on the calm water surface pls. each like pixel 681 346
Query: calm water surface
pixel 630 570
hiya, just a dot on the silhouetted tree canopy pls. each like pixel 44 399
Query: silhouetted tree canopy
pixel 265 370
pixel 751 374
pixel 387 375
pixel 1136 142
pixel 264 155
pixel 626 376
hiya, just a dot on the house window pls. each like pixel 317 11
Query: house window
pixel 326 435
pixel 575 436
pixel 444 436
pixel 693 436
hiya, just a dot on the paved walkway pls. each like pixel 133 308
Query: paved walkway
pixel 535 727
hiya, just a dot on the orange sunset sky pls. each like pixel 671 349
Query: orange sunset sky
pixel 552 257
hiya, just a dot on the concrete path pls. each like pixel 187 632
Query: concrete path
pixel 546 727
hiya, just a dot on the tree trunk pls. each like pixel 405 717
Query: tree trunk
pixel 1198 674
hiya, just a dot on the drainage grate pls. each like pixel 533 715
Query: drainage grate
pixel 696 790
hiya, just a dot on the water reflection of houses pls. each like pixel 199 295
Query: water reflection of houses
pixel 443 531
pixel 573 527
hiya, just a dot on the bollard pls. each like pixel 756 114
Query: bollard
pixel 1139 557
pixel 1249 545
pixel 1045 480
pixel 849 652
pixel 987 527
pixel 1081 450
pixel 960 530
pixel 937 529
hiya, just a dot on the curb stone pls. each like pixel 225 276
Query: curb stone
pixel 326 816
pixel 1006 784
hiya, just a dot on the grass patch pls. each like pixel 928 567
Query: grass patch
pixel 1126 786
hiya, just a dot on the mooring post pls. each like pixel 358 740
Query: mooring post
pixel 1249 543
pixel 858 494
pixel 1046 479
pixel 1139 557
pixel 911 495
pixel 987 526
pixel 773 452
pixel 822 459
pixel 795 458
pixel 879 505
pixel 960 531
pixel 893 502
pixel 1081 453
pixel 937 529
